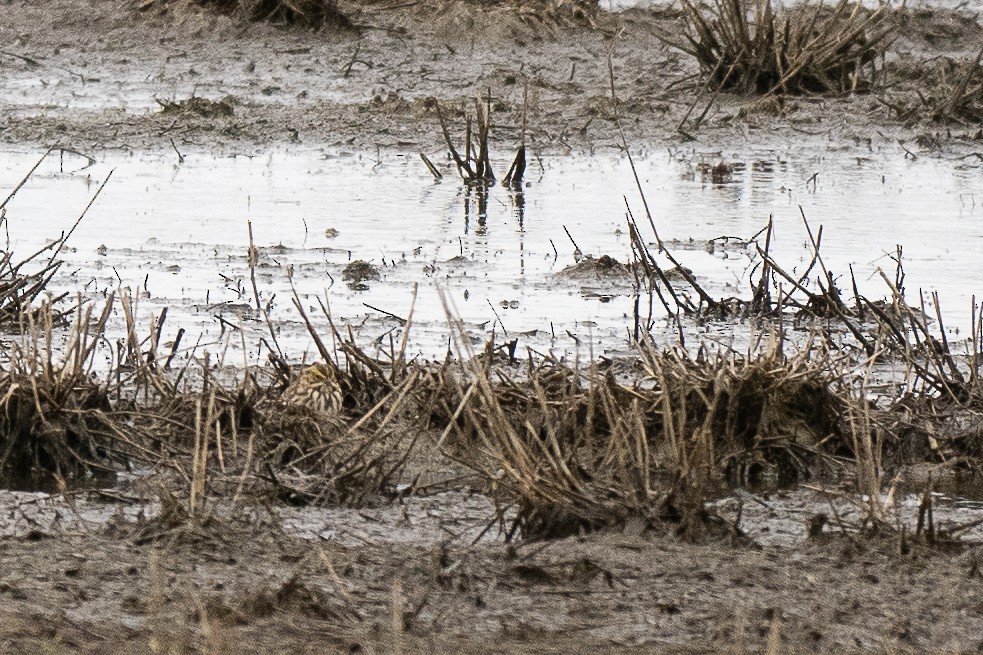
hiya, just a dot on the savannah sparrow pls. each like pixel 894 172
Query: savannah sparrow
pixel 316 388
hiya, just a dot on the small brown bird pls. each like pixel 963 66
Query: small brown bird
pixel 316 388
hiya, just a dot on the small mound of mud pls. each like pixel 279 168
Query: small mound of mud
pixel 604 267
pixel 296 595
pixel 954 94
pixel 358 272
pixel 198 106
pixel 392 103
pixel 606 272
pixel 678 273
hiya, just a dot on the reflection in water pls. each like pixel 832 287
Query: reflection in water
pixel 180 230
pixel 519 210
pixel 476 203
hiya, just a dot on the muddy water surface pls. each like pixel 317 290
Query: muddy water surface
pixel 178 232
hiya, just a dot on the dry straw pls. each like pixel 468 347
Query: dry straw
pixel 574 450
pixel 748 46
pixel 303 13
pixel 958 93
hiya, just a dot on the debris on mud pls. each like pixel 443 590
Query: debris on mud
pixel 392 103
pixel 954 93
pixel 358 272
pixel 604 267
pixel 719 173
pixel 199 106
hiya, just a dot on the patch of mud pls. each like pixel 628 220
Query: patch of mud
pixel 94 85
pixel 328 581
pixel 198 107
pixel 358 272
pixel 603 268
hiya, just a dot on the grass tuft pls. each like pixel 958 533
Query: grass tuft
pixel 749 47
pixel 314 14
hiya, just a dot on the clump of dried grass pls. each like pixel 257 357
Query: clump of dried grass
pixel 19 285
pixel 747 46
pixel 22 281
pixel 302 13
pixel 55 423
pixel 309 460
pixel 575 451
pixel 957 94
pixel 310 457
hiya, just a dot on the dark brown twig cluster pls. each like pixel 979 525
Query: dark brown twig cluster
pixel 576 450
pixel 957 94
pixel 748 47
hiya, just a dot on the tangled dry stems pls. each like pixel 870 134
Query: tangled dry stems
pixel 23 281
pixel 53 420
pixel 574 451
pixel 957 94
pixel 561 449
pixel 748 46
pixel 302 13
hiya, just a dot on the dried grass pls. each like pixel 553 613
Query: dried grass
pixel 575 451
pixel 955 94
pixel 562 448
pixel 54 423
pixel 746 46
pixel 301 13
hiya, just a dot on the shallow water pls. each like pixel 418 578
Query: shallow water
pixel 179 234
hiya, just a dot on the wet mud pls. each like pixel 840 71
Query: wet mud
pixel 97 573
pixel 86 79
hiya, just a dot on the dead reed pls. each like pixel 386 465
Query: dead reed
pixel 474 166
pixel 310 457
pixel 22 281
pixel 562 448
pixel 55 428
pixel 572 450
pixel 749 47
pixel 956 94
